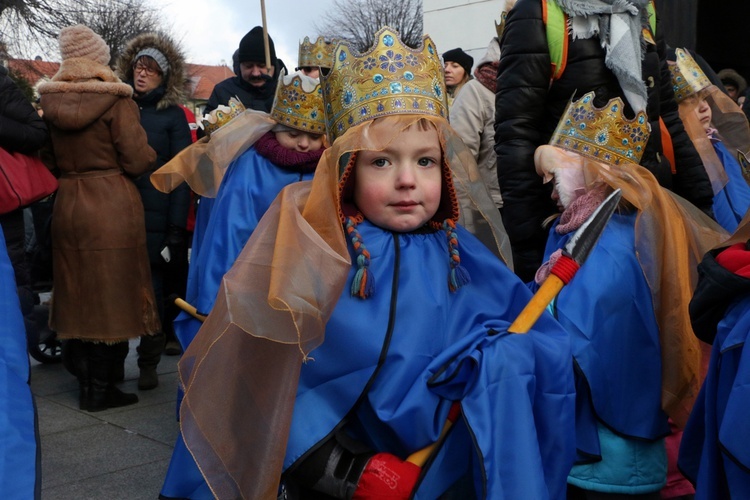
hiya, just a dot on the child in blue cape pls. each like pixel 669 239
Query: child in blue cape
pixel 279 149
pixel 714 453
pixel 720 132
pixel 361 314
pixel 635 359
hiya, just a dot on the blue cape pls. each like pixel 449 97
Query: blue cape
pixel 223 226
pixel 391 364
pixel 607 309
pixel 19 476
pixel 715 449
pixel 731 203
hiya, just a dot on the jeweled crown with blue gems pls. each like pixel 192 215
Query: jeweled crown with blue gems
pixel 389 79
pixel 319 53
pixel 603 134
pixel 299 103
pixel 687 77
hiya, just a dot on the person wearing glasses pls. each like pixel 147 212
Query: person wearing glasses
pixel 153 65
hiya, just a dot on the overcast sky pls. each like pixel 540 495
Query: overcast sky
pixel 211 31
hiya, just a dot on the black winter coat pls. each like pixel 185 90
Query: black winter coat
pixel 528 109
pixel 21 128
pixel 259 98
pixel 168 133
pixel 717 288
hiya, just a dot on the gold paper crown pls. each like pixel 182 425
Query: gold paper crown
pixel 603 134
pixel 222 115
pixel 299 103
pixel 500 27
pixel 687 76
pixel 319 53
pixel 390 78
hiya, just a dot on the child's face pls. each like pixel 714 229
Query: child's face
pixel 311 71
pixel 703 112
pixel 399 187
pixel 296 140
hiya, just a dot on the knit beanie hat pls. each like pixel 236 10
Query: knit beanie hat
pixel 81 41
pixel 157 56
pixel 460 57
pixel 253 49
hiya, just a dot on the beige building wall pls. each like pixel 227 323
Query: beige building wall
pixel 469 24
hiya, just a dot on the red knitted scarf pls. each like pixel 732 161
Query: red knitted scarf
pixel 288 159
pixel 486 74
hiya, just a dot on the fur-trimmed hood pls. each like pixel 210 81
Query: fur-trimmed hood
pixel 175 80
pixel 80 92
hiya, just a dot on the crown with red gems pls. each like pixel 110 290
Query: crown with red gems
pixel 687 76
pixel 319 53
pixel 603 134
pixel 391 78
pixel 299 103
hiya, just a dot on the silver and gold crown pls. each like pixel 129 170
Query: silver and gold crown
pixel 389 79
pixel 603 134
pixel 687 77
pixel 319 53
pixel 222 115
pixel 299 103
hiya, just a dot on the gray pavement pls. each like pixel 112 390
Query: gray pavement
pixel 121 453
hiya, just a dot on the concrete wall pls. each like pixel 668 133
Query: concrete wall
pixel 469 24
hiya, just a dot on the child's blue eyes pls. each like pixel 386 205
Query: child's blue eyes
pixel 422 162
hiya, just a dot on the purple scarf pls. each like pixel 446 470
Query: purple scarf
pixel 288 159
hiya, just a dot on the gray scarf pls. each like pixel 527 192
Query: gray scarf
pixel 618 24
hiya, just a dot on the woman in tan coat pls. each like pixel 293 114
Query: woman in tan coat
pixel 102 282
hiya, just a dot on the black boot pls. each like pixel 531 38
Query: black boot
pixel 149 354
pixel 104 394
pixel 118 366
pixel 75 360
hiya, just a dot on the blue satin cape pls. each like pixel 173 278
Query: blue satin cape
pixel 715 449
pixel 391 364
pixel 19 468
pixel 607 309
pixel 731 203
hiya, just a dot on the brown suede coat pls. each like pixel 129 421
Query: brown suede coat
pixel 102 280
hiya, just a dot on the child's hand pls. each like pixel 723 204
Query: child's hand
pixel 387 477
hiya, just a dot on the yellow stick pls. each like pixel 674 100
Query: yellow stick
pixel 192 311
pixel 420 457
pixel 536 306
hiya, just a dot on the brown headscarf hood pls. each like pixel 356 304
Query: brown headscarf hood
pixel 90 87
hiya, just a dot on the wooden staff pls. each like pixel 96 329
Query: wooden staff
pixel 265 34
pixel 188 308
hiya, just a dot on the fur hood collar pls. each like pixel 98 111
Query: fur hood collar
pixel 175 82
pixel 81 75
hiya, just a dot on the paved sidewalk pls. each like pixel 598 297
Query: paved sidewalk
pixel 122 453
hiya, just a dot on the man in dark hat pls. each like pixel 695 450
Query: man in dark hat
pixel 254 83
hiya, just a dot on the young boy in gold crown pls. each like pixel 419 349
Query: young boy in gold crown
pixel 636 360
pixel 720 133
pixel 413 308
pixel 315 57
pixel 285 148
